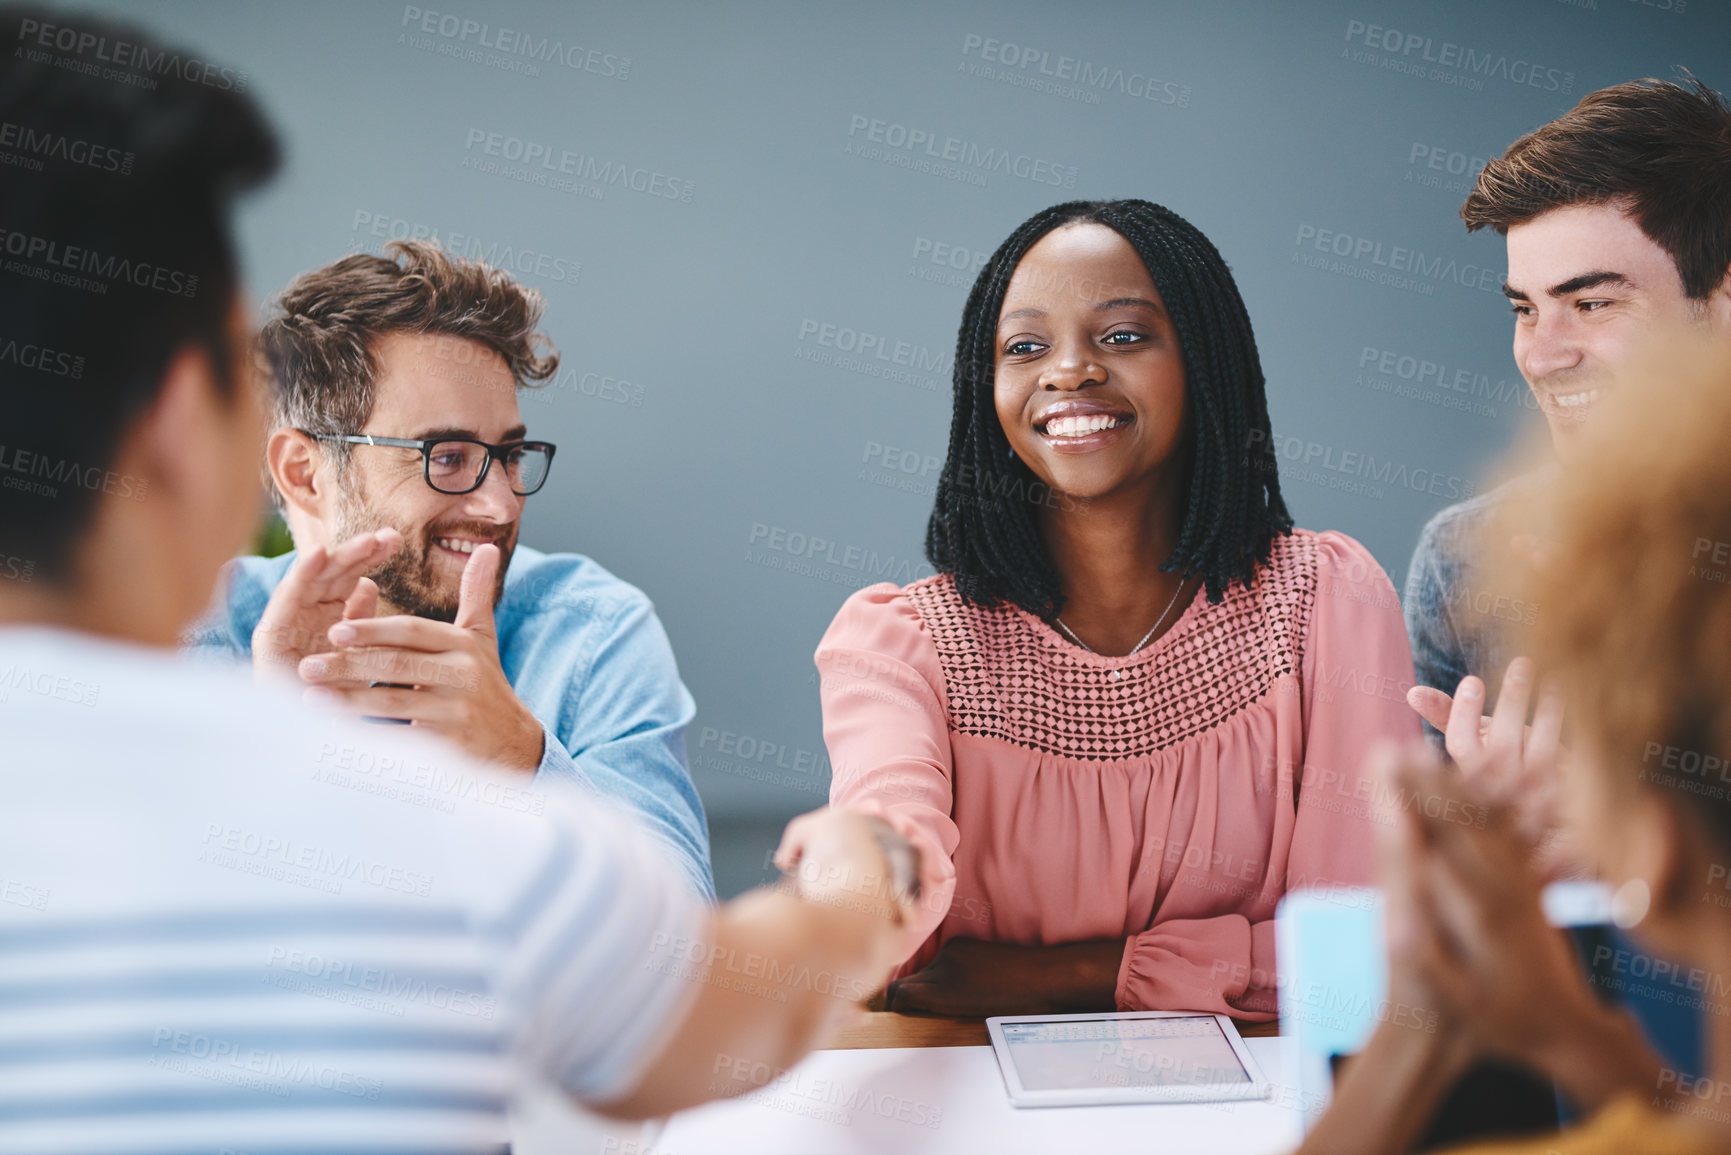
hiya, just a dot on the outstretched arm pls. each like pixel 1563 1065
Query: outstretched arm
pixel 840 920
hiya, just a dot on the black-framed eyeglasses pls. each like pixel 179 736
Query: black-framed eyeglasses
pixel 459 464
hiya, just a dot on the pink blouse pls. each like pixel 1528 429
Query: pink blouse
pixel 1169 797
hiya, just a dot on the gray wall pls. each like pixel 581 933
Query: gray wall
pixel 720 445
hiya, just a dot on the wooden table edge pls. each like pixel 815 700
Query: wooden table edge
pixel 889 1029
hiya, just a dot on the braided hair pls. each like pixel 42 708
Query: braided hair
pixel 993 548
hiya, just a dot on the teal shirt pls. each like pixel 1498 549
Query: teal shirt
pixel 586 654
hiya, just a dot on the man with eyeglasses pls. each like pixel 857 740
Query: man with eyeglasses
pixel 401 463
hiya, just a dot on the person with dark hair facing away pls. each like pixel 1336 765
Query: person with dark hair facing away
pixel 1127 714
pixel 394 405
pixel 1617 217
pixel 217 932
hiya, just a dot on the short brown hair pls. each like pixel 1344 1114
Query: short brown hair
pixel 320 345
pixel 1634 605
pixel 1659 147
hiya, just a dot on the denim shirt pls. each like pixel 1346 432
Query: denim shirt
pixel 586 654
pixel 1457 625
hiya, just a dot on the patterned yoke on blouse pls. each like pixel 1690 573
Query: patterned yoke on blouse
pixel 1168 797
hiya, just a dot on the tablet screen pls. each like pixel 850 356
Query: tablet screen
pixel 1082 1054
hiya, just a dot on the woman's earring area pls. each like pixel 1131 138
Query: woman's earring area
pixel 1630 903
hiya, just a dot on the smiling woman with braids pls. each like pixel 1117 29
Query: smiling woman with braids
pixel 1128 712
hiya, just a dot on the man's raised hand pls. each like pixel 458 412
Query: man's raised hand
pixel 1502 754
pixel 321 588
pixel 445 677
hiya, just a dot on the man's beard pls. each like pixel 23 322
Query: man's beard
pixel 406 580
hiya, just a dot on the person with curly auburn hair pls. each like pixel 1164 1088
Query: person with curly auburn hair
pixel 399 453
pixel 1633 581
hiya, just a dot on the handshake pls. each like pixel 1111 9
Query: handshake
pixel 847 858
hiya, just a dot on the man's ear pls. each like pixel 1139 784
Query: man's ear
pixel 294 461
pixel 176 440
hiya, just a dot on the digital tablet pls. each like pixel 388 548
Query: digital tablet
pixel 1129 1057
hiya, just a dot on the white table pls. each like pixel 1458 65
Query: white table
pixel 951 1100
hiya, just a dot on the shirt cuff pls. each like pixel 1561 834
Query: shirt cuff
pixel 557 765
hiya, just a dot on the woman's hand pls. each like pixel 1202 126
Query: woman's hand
pixel 1468 933
pixel 1466 927
pixel 974 978
pixel 1411 924
pixel 1390 1090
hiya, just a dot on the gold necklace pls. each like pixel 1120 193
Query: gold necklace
pixel 1117 675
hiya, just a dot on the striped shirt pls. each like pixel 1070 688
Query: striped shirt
pixel 232 923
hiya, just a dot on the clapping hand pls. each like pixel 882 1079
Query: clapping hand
pixel 321 588
pixel 445 677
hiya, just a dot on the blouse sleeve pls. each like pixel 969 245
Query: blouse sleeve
pixel 885 722
pixel 1355 672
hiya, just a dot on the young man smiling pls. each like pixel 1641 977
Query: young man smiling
pixel 399 452
pixel 1618 220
